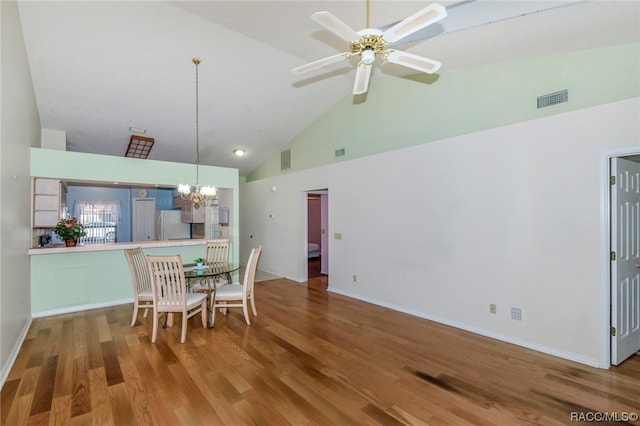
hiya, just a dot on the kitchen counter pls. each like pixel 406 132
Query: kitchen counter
pixel 80 248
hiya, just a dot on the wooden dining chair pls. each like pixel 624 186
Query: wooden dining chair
pixel 217 251
pixel 142 292
pixel 170 293
pixel 238 295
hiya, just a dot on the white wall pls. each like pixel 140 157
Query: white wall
pixel 510 216
pixel 20 129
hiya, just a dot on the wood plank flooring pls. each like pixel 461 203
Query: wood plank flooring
pixel 310 357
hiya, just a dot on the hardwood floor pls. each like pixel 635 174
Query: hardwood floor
pixel 313 268
pixel 310 357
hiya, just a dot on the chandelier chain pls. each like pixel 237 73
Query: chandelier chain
pixel 197 62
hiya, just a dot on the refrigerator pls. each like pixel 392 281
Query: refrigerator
pixel 169 225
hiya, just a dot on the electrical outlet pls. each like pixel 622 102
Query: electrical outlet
pixel 355 278
pixel 492 308
pixel 516 314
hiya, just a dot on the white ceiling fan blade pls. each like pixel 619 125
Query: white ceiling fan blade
pixel 416 62
pixel 321 63
pixel 335 25
pixel 363 74
pixel 419 20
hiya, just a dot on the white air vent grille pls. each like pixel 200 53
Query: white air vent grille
pixel 339 152
pixel 285 160
pixel 553 98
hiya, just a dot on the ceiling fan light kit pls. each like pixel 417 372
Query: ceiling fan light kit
pixel 371 43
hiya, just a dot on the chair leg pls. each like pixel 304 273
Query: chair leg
pixel 253 306
pixel 245 310
pixel 144 315
pixel 154 333
pixel 185 320
pixel 170 317
pixel 212 313
pixel 203 313
pixel 135 313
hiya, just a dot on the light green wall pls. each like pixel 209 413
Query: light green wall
pixel 66 165
pixel 70 281
pixel 106 168
pixel 402 112
pixel 61 281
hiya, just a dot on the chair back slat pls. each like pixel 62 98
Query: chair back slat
pixel 139 271
pixel 217 251
pixel 167 274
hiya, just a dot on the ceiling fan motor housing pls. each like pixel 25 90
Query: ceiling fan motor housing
pixel 371 43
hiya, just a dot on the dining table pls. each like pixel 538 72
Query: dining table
pixel 210 273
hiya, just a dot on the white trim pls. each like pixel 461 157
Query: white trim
pixel 605 263
pixel 593 362
pixel 80 308
pixel 6 368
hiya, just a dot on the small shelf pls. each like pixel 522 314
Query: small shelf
pixel 47 202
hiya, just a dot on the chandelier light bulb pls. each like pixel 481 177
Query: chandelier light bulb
pixel 184 189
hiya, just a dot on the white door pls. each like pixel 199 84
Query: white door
pixel 144 219
pixel 625 263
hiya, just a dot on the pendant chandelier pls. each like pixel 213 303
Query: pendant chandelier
pixel 200 194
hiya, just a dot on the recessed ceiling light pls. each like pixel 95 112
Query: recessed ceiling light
pixel 239 152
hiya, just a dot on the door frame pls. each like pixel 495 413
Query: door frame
pixel 134 208
pixel 305 226
pixel 605 250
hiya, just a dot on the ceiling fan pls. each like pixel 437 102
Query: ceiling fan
pixel 371 42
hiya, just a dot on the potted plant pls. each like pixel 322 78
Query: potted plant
pixel 199 262
pixel 70 231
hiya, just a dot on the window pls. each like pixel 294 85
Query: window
pixel 100 219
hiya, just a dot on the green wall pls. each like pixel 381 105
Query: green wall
pixel 78 166
pixel 76 280
pixel 106 168
pixel 80 279
pixel 401 112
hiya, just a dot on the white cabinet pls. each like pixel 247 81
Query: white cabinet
pixel 190 214
pixel 47 202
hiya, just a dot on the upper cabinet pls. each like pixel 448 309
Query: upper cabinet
pixel 190 214
pixel 48 198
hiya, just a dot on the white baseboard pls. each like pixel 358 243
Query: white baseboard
pixel 593 362
pixel 6 368
pixel 79 308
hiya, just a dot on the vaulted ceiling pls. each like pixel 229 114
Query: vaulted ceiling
pixel 100 67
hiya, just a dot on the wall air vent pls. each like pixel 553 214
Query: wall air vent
pixel 339 152
pixel 285 159
pixel 553 98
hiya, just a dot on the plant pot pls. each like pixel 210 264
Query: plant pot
pixel 70 242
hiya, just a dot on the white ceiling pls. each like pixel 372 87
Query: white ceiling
pixel 100 67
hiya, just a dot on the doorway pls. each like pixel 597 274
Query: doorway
pixel 610 288
pixel 624 237
pixel 317 253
